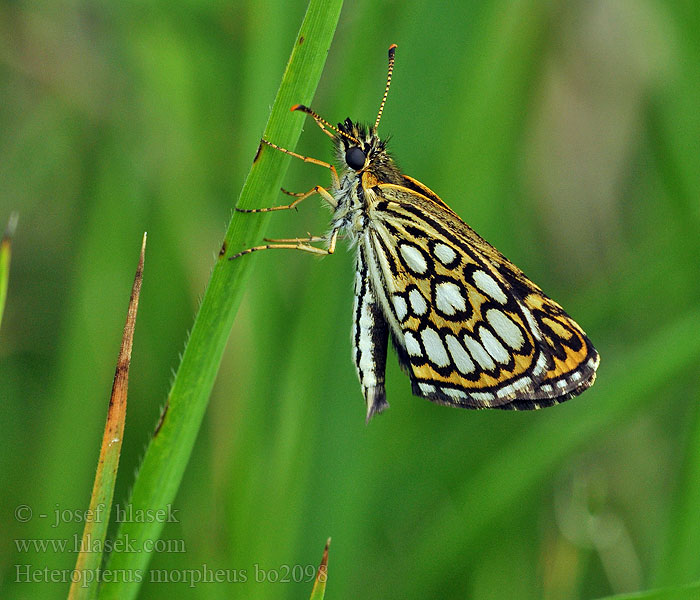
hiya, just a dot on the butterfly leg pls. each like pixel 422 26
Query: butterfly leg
pixel 311 238
pixel 317 189
pixel 302 244
pixel 308 159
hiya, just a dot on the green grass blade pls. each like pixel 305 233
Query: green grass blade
pixel 84 585
pixel 686 592
pixel 319 590
pixel 681 561
pixel 5 252
pixel 167 455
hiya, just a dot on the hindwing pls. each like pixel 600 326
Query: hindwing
pixel 370 336
pixel 470 328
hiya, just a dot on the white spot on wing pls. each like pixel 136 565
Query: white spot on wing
pixel 494 347
pixel 434 347
pixel 540 365
pixel 418 303
pixel 489 286
pixel 366 320
pixel 505 328
pixel 514 387
pixel 400 307
pixel 522 383
pixel 460 357
pixel 426 388
pixel 483 396
pixel 477 351
pixel 453 393
pixel 449 298
pixel 412 345
pixel 365 345
pixel 506 390
pixel 414 258
pixel 534 329
pixel 444 253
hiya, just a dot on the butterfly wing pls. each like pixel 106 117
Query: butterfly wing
pixel 470 328
pixel 370 336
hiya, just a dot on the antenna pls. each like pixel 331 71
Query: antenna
pixel 322 123
pixel 392 51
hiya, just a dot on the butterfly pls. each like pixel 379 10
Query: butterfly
pixel 469 328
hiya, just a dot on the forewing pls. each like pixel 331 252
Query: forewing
pixel 470 328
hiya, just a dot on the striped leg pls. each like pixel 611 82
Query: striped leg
pixel 308 159
pixel 370 335
pixel 317 189
pixel 295 244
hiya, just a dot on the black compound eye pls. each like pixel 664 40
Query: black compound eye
pixel 355 158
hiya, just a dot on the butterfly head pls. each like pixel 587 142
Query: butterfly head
pixel 359 150
pixel 358 147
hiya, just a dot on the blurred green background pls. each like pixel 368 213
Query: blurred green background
pixel 564 132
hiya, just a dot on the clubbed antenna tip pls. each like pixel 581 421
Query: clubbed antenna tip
pixel 392 51
pixel 321 122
